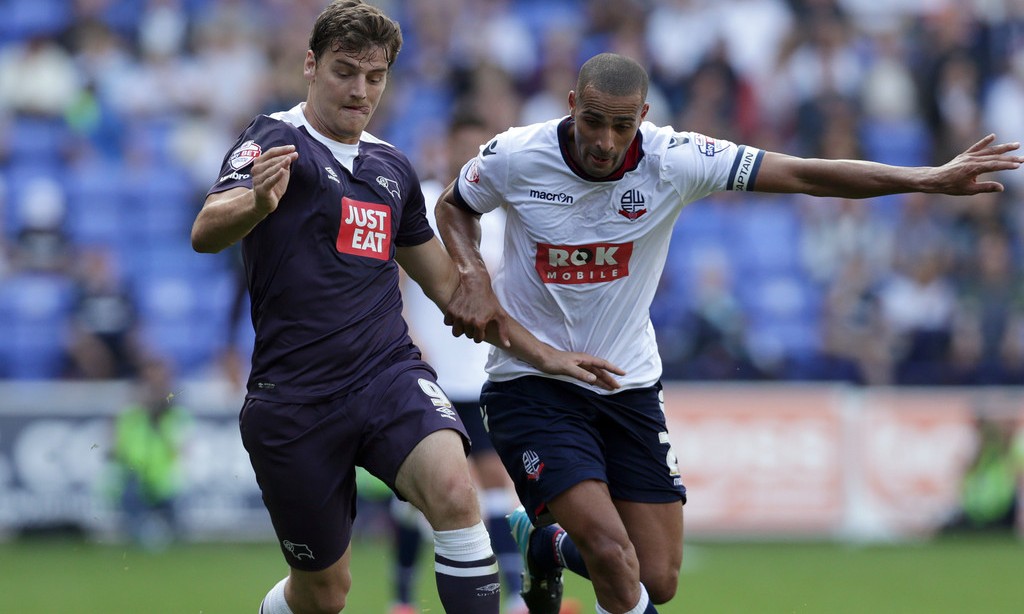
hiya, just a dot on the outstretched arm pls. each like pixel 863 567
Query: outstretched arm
pixel 430 266
pixel 862 179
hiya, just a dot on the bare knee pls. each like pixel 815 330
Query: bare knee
pixel 608 557
pixel 318 595
pixel 661 584
pixel 453 505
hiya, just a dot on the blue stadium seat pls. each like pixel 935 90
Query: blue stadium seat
pixel 96 203
pixel 160 203
pixel 22 20
pixel 184 318
pixel 899 142
pixel 765 237
pixel 34 309
pixel 37 140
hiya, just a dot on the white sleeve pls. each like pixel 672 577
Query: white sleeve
pixel 701 165
pixel 483 180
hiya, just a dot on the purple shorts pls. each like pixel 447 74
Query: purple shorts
pixel 305 456
pixel 552 435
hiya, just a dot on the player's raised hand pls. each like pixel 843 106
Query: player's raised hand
pixel 959 176
pixel 270 174
pixel 582 366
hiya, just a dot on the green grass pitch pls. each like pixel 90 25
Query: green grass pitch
pixel 955 574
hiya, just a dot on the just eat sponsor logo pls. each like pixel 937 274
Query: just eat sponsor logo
pixel 583 264
pixel 365 229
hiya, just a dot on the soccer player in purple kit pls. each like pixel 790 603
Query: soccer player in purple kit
pixel 326 213
pixel 590 201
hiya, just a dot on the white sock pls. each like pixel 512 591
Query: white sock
pixel 639 608
pixel 464 545
pixel 274 602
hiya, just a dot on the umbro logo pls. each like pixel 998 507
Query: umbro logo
pixel 676 141
pixel 332 175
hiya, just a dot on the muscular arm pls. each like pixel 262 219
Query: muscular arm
pixel 430 266
pixel 226 217
pixel 861 179
pixel 475 307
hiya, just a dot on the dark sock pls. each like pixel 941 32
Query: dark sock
pixel 407 541
pixel 551 547
pixel 466 571
pixel 478 592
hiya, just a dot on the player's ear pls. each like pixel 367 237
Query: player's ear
pixel 644 110
pixel 572 101
pixel 309 66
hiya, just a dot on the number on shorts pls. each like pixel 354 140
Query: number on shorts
pixel 432 390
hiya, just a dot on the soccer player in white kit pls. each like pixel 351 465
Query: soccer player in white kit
pixel 590 203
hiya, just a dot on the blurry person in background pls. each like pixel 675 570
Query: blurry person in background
pixel 989 490
pixel 149 439
pixel 854 342
pixel 988 337
pixel 42 245
pixel 460 365
pixel 918 305
pixel 104 340
pixel 326 214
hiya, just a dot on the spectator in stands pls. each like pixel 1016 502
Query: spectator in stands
pixel 918 304
pixel 987 346
pixel 5 249
pixel 104 341
pixel 854 346
pixel 708 336
pixel 837 231
pixel 38 78
pixel 149 440
pixel 1003 100
pixel 42 245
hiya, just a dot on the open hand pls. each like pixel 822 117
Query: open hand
pixel 584 367
pixel 959 176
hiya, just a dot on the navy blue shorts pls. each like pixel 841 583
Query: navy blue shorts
pixel 552 435
pixel 469 411
pixel 305 456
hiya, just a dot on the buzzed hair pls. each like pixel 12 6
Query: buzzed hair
pixel 613 74
pixel 352 26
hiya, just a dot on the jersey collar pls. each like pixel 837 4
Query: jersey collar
pixel 630 162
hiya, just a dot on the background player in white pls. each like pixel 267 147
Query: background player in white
pixel 590 202
pixel 460 366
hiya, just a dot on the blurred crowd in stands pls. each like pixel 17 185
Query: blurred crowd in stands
pixel 115 114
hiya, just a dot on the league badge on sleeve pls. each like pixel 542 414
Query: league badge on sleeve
pixel 244 155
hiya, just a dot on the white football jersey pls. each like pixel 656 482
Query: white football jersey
pixel 583 256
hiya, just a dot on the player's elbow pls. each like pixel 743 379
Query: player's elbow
pixel 203 243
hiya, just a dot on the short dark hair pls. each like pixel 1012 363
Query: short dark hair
pixel 613 74
pixel 354 27
pixel 465 117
